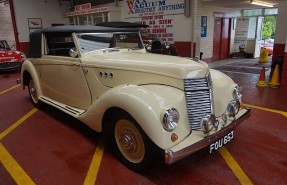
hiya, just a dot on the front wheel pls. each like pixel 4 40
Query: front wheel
pixel 130 144
pixel 33 93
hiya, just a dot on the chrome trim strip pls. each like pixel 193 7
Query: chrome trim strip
pixel 171 157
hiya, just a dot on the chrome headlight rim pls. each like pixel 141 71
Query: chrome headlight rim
pixel 170 119
pixel 237 93
pixel 233 108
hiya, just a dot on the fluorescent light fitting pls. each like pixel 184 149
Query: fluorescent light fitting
pixel 261 3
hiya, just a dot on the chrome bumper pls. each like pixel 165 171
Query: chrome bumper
pixel 171 157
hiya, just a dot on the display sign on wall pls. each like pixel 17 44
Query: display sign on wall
pixel 157 14
pixel 203 26
pixel 34 24
pixel 241 33
pixel 160 27
pixel 139 8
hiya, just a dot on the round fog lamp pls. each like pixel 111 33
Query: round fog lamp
pixel 233 108
pixel 207 123
pixel 237 93
pixel 170 119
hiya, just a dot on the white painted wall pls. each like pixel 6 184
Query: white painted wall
pixel 281 28
pixel 50 11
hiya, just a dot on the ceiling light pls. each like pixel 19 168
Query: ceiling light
pixel 261 3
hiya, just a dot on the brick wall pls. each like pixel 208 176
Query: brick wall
pixel 6 28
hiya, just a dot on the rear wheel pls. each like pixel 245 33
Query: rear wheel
pixel 33 92
pixel 130 144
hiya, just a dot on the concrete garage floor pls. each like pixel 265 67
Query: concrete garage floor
pixel 48 147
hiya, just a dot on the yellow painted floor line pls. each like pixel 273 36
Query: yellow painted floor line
pixel 17 123
pixel 234 166
pixel 266 109
pixel 13 168
pixel 2 92
pixel 96 163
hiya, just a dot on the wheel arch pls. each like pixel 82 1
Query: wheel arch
pixel 29 71
pixel 138 102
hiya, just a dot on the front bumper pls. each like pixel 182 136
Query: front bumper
pixel 9 66
pixel 171 157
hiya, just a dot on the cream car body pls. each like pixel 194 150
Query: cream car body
pixel 142 84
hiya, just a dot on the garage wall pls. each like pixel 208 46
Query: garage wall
pixel 50 12
pixel 6 28
pixel 206 43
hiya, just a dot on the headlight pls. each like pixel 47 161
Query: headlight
pixel 237 93
pixel 148 47
pixel 170 119
pixel 207 123
pixel 233 108
pixel 166 45
pixel 23 57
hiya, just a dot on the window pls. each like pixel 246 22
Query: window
pixel 97 18
pixel 59 45
pixel 260 12
pixel 271 11
pixel 254 12
pixel 102 41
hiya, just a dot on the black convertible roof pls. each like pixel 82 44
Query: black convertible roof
pixel 122 25
pixel 35 46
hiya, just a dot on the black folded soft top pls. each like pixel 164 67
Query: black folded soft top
pixel 35 46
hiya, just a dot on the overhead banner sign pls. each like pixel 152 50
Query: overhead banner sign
pixel 139 8
pixel 83 10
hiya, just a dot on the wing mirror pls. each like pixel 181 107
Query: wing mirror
pixel 73 53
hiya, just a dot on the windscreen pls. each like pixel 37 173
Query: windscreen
pixel 102 41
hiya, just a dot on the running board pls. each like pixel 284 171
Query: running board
pixel 75 112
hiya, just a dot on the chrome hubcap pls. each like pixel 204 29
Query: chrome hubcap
pixel 127 141
pixel 33 91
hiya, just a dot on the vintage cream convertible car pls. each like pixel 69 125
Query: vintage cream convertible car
pixel 145 102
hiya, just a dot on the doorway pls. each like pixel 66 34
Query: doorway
pixel 221 39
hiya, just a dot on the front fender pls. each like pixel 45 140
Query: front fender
pixel 29 68
pixel 146 104
pixel 223 87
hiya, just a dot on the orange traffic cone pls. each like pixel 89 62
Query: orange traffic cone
pixel 274 83
pixel 261 82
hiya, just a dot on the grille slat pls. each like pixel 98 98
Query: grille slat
pixel 198 100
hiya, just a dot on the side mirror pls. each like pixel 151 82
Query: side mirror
pixel 73 53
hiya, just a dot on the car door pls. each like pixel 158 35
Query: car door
pixel 62 77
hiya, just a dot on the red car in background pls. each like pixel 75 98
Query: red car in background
pixel 10 59
pixel 268 44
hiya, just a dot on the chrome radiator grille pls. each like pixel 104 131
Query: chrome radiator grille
pixel 198 99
